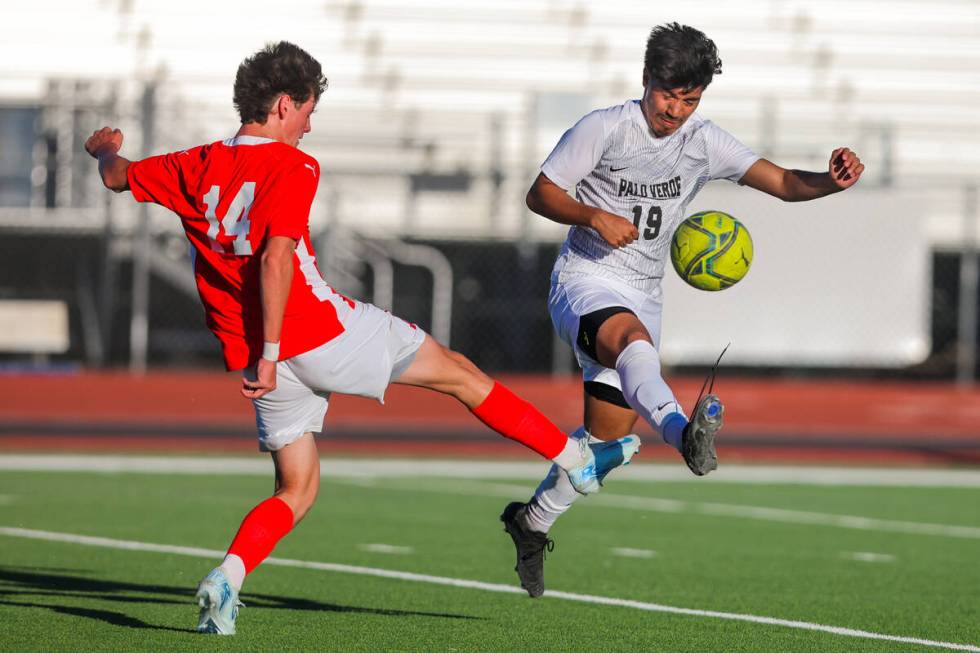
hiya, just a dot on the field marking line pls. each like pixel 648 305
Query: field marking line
pixel 628 552
pixel 215 554
pixel 843 521
pixel 677 506
pixel 369 473
pixel 868 556
pixel 354 468
pixel 393 549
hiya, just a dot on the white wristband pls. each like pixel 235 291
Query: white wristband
pixel 270 351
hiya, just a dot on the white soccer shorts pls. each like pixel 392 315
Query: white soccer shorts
pixel 572 298
pixel 372 352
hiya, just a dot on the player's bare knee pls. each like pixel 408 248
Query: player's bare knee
pixel 464 363
pixel 303 507
pixel 300 496
pixel 469 380
pixel 615 333
pixel 633 336
pixel 304 487
pixel 613 341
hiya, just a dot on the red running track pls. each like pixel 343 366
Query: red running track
pixel 766 419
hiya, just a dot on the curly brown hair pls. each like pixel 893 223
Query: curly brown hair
pixel 277 69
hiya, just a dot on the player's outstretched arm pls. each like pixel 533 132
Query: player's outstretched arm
pixel 104 145
pixel 550 200
pixel 844 170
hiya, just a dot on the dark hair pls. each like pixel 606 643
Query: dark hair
pixel 276 69
pixel 679 56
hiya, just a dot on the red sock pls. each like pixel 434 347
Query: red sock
pixel 260 531
pixel 514 418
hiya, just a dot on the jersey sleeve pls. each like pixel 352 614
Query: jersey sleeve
pixel 728 158
pixel 159 179
pixel 578 151
pixel 297 188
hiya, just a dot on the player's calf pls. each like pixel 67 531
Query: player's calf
pixel 527 524
pixel 441 369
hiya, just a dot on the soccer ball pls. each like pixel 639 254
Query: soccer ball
pixel 711 250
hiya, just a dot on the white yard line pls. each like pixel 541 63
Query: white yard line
pixel 841 521
pixel 470 469
pixel 129 545
pixel 380 474
pixel 867 556
pixel 627 552
pixel 392 549
pixel 677 506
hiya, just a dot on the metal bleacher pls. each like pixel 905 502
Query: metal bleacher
pixel 439 112
pixel 439 87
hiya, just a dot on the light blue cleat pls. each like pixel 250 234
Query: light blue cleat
pixel 614 453
pixel 584 476
pixel 598 459
pixel 219 604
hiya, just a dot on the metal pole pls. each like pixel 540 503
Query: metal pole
pixel 442 281
pixel 530 160
pixel 495 165
pixel 107 282
pixel 966 350
pixel 139 325
pixel 768 128
pixel 561 360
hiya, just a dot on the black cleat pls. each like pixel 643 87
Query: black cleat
pixel 698 442
pixel 530 546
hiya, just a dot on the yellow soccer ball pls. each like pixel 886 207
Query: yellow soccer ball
pixel 711 250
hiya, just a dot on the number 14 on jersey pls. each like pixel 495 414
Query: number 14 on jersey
pixel 235 223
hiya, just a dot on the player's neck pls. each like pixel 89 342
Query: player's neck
pixel 268 130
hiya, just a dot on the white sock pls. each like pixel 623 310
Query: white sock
pixel 645 390
pixel 234 570
pixel 554 495
pixel 571 456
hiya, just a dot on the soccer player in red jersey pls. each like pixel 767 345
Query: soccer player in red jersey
pixel 244 205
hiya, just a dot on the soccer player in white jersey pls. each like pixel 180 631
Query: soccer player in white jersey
pixel 634 168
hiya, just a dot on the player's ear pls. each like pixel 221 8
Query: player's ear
pixel 281 106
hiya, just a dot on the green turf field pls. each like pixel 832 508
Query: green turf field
pixel 704 546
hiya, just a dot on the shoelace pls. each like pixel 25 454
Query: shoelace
pixel 548 545
pixel 709 381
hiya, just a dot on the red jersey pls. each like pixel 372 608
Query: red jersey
pixel 231 197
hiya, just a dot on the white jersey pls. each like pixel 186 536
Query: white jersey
pixel 615 163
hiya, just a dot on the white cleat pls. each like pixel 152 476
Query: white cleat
pixel 585 476
pixel 219 604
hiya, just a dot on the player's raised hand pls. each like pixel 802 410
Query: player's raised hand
pixel 265 380
pixel 104 141
pixel 614 229
pixel 845 167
